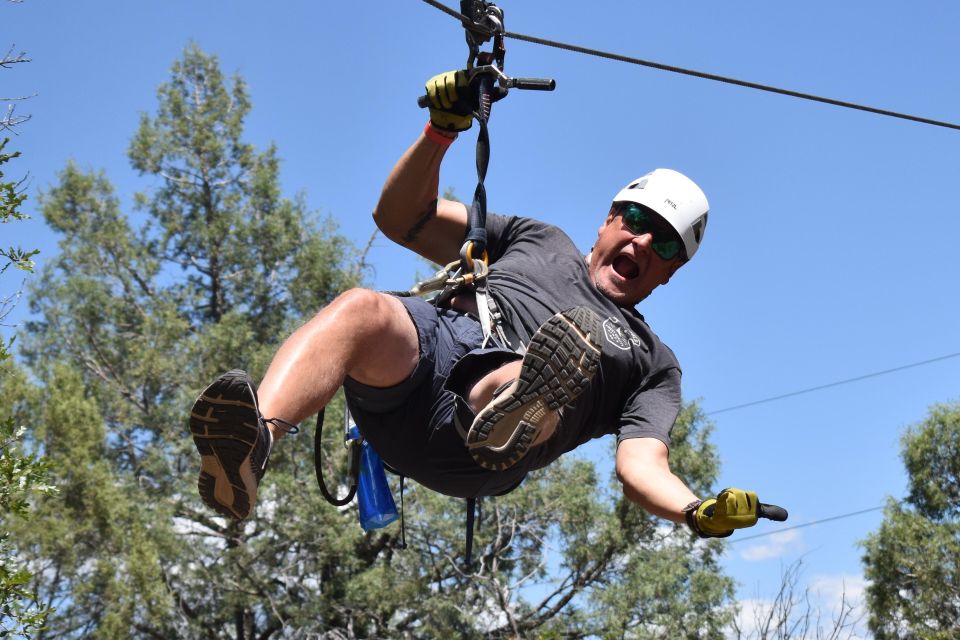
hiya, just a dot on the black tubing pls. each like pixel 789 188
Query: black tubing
pixel 318 467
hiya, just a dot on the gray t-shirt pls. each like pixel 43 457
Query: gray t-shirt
pixel 535 272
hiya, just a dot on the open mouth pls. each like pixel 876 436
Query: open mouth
pixel 625 267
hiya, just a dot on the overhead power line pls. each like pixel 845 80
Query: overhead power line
pixel 834 384
pixel 805 524
pixel 707 76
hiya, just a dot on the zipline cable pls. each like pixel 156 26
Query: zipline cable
pixel 707 76
pixel 805 524
pixel 834 384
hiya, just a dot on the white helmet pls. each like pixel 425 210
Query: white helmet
pixel 676 198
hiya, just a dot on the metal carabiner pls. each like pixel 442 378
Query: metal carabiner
pixel 468 264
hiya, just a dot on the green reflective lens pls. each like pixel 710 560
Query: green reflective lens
pixel 667 250
pixel 640 220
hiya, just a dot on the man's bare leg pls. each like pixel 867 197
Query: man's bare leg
pixel 363 334
pixel 481 394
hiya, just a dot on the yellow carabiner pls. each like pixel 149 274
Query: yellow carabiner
pixel 485 258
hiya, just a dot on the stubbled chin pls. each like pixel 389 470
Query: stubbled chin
pixel 614 294
pixel 619 294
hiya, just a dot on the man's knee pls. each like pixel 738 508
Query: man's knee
pixel 381 328
pixel 362 308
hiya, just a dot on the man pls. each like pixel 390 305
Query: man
pixel 470 421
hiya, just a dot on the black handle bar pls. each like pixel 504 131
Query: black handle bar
pixel 772 512
pixel 535 84
pixel 532 84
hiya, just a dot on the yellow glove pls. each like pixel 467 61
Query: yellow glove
pixel 452 101
pixel 731 509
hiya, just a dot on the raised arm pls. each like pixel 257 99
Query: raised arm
pixel 411 213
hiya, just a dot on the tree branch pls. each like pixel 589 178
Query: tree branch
pixel 10 58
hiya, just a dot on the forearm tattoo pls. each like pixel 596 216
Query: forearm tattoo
pixel 421 222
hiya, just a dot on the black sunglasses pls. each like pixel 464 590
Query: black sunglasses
pixel 641 220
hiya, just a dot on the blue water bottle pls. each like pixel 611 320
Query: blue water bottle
pixel 377 508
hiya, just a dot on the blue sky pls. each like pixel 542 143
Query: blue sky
pixel 830 250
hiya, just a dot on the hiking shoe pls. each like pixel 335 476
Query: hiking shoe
pixel 234 444
pixel 559 364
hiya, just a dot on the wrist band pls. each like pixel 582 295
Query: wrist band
pixel 435 136
pixel 690 512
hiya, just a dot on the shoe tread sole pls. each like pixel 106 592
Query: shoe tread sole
pixel 225 437
pixel 559 365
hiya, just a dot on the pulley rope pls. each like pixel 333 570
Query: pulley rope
pixel 706 76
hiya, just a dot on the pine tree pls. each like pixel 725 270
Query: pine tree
pixel 134 322
pixel 912 560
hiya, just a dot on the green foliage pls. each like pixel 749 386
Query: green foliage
pixel 931 454
pixel 913 561
pixel 135 321
pixel 23 474
pixel 11 198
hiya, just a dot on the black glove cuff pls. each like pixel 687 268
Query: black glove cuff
pixel 690 513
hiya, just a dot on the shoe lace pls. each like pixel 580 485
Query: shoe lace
pixel 283 425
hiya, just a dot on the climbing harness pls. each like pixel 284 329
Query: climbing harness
pixel 482 22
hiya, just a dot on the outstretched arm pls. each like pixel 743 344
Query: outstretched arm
pixel 411 213
pixel 643 468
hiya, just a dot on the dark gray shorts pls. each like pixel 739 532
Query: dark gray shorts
pixel 411 424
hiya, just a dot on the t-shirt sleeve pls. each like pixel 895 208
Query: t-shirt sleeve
pixel 653 408
pixel 503 231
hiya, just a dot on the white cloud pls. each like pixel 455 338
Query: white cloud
pixel 833 588
pixel 836 593
pixel 775 546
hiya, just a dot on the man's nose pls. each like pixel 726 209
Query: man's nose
pixel 643 240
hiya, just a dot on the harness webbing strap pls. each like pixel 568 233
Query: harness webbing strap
pixel 471 511
pixel 477 217
pixel 477 231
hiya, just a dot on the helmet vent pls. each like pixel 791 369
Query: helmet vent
pixel 638 185
pixel 699 226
